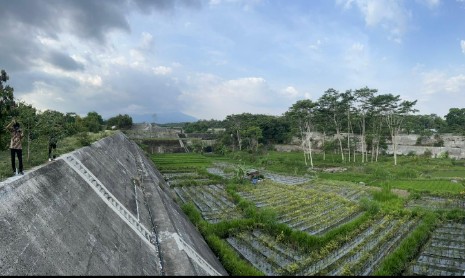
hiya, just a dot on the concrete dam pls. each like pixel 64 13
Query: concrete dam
pixel 100 210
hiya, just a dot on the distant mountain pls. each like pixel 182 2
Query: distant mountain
pixel 163 118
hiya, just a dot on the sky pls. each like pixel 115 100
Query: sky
pixel 207 59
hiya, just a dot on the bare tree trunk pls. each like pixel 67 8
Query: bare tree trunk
pixel 348 134
pixel 239 140
pixel 309 144
pixel 340 147
pixel 324 142
pixel 303 145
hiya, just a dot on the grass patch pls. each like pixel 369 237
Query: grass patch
pixel 36 152
pixel 428 186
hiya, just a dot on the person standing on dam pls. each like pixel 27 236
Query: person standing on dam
pixel 15 145
pixel 52 146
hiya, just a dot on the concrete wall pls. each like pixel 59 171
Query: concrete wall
pixel 101 210
pixel 454 145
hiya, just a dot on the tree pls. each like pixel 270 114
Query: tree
pixel 347 100
pixel 120 121
pixel 252 134
pixel 27 115
pixel 302 114
pixel 71 125
pixel 275 130
pixel 455 120
pixel 7 104
pixel 363 106
pixel 394 111
pixel 425 125
pixel 235 125
pixel 93 122
pixel 334 105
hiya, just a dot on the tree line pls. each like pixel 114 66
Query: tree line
pixel 43 124
pixel 353 123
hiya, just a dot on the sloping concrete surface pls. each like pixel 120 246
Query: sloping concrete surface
pixel 100 210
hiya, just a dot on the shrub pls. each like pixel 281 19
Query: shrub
pixel 84 139
pixel 428 153
pixel 411 153
pixel 444 155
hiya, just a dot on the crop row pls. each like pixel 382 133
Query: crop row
pixel 211 200
pixel 357 254
pixel 444 255
pixel 302 208
pixel 430 202
pixel 350 192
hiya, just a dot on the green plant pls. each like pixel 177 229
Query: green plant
pixel 84 139
pixel 444 155
pixel 396 262
pixel 427 153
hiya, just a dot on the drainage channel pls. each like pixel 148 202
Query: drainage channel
pixel 112 202
pixel 142 173
pixel 181 243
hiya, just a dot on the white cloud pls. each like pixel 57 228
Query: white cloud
pixel 291 92
pixel 462 45
pixel 430 3
pixel 215 98
pixel 43 95
pixel 435 82
pixel 93 80
pixel 390 15
pixel 147 41
pixel 357 61
pixel 161 70
pixel 137 58
pixel 316 45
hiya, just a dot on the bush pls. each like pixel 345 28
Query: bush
pixel 443 155
pixel 428 153
pixel 84 139
pixel 411 153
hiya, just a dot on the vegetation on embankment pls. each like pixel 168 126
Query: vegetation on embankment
pixel 38 150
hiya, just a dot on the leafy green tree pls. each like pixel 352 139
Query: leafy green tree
pixel 455 120
pixel 235 125
pixel 425 125
pixel 363 107
pixel 394 111
pixel 120 121
pixel 53 123
pixel 7 104
pixel 72 125
pixel 334 104
pixel 202 126
pixel 93 122
pixel 275 130
pixel 302 115
pixel 252 135
pixel 27 116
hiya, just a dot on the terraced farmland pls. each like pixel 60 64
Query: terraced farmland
pixel 335 227
pixel 303 209
pixel 433 203
pixel 211 200
pixel 356 254
pixel 444 255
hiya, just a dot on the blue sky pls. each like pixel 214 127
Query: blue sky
pixel 211 58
